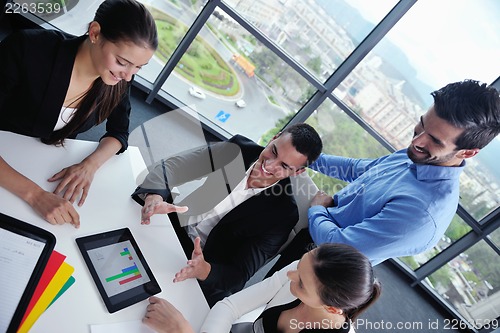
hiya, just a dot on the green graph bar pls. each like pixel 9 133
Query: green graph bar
pixel 117 276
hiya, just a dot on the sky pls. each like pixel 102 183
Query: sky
pixel 445 40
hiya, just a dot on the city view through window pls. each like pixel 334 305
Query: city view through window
pixel 253 65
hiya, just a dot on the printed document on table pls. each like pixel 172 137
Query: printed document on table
pixel 129 326
pixel 18 258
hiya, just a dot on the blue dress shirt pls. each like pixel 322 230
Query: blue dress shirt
pixel 391 207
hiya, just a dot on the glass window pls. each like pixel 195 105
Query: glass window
pixel 495 237
pixel 240 86
pixel 173 19
pixel 318 34
pixel 480 182
pixel 390 89
pixel 341 136
pixel 235 82
pixel 73 16
pixel 457 229
pixel 470 283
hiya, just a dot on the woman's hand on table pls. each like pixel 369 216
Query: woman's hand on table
pixel 75 181
pixel 164 317
pixel 154 204
pixel 54 209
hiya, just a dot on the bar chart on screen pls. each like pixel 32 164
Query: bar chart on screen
pixel 118 267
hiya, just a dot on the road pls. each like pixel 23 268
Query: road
pixel 252 121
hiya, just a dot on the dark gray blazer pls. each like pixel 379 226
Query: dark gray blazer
pixel 247 236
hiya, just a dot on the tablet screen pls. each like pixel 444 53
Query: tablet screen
pixel 118 268
pixel 24 252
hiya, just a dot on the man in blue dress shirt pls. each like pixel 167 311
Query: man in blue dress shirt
pixel 401 204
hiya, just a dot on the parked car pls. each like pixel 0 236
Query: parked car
pixel 241 103
pixel 196 92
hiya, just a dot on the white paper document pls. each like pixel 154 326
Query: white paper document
pixel 18 258
pixel 135 326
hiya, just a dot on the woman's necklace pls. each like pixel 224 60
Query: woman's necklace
pixel 72 101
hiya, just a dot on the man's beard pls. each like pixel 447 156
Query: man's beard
pixel 428 159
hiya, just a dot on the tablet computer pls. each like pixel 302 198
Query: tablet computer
pixel 24 252
pixel 118 268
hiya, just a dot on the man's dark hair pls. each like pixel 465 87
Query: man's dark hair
pixel 473 106
pixel 306 140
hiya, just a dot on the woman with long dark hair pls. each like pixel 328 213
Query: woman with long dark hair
pixel 325 291
pixel 55 85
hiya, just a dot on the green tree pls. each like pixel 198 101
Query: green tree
pixel 483 260
pixel 457 229
pixel 315 65
pixel 441 278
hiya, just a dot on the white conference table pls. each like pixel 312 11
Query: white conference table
pixel 108 207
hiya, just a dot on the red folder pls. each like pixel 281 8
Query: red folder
pixel 55 261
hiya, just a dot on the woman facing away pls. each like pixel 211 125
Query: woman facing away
pixel 55 85
pixel 325 291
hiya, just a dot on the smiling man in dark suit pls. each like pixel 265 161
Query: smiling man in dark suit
pixel 243 212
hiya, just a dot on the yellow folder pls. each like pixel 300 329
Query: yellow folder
pixel 55 285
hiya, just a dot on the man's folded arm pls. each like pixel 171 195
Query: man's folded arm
pixel 382 236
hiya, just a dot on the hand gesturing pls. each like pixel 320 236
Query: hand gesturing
pixel 197 267
pixel 154 204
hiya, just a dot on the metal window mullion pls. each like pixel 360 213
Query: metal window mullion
pixel 468 219
pixel 491 217
pixel 461 245
pixel 446 256
pixel 308 108
pixel 271 46
pixel 493 245
pixel 496 83
pixel 446 306
pixel 488 229
pixel 348 66
pixel 191 34
pixel 373 38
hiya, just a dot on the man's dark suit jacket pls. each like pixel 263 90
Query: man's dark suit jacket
pixel 247 236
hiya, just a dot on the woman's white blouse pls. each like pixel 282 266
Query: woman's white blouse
pixel 64 117
pixel 270 292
